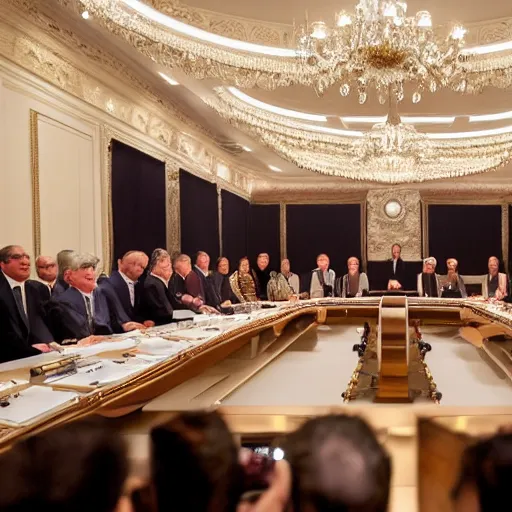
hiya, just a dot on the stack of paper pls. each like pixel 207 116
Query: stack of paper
pixel 32 403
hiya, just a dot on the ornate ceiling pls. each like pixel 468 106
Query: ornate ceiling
pixel 266 22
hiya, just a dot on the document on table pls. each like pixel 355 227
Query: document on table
pixel 104 346
pixel 104 372
pixel 32 403
pixel 160 346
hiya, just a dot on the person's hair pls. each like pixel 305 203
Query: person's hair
pixel 494 258
pixel 322 254
pixel 129 253
pixel 156 256
pixel 396 245
pixel 183 258
pixel 63 258
pixel 82 260
pixel 353 258
pixel 201 253
pixel 195 464
pixel 80 466
pixel 219 259
pixel 338 465
pixel 487 465
pixel 6 252
pixel 263 254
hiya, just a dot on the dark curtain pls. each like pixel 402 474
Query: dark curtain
pixel 334 229
pixel 263 234
pixel 199 216
pixel 469 233
pixel 235 220
pixel 138 201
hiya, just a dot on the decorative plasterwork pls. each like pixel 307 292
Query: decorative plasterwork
pixel 136 105
pixel 243 29
pixel 404 230
pixel 278 34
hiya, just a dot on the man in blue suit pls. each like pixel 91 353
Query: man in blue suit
pixel 83 309
pixel 123 285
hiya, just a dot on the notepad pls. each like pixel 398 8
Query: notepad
pixel 34 402
pixel 161 346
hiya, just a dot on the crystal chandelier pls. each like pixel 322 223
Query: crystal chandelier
pixel 393 149
pixel 381 46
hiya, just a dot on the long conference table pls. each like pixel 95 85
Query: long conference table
pixel 183 361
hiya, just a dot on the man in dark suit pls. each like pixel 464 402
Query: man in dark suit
pixel 396 269
pixel 204 286
pixel 83 309
pixel 156 302
pixel 123 285
pixel 63 259
pixel 46 268
pixel 23 329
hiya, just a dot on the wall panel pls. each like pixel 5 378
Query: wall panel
pixel 199 216
pixel 264 233
pixel 469 233
pixel 334 229
pixel 235 221
pixel 138 201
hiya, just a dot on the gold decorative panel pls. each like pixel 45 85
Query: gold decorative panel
pixel 393 216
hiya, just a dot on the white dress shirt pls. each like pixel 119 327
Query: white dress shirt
pixel 394 266
pixel 13 284
pixel 131 287
pixel 205 274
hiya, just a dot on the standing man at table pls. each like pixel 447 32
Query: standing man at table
pixel 396 269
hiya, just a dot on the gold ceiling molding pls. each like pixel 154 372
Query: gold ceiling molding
pixel 316 191
pixel 279 34
pixel 383 230
pixel 144 115
pixel 202 59
pixel 234 27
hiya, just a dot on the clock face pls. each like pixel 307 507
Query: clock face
pixel 393 209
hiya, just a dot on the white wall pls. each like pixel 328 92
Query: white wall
pixel 69 171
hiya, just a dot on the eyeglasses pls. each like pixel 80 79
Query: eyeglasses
pixel 19 256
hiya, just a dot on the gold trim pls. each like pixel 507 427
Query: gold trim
pixel 505 234
pixel 219 220
pixel 282 230
pixel 424 228
pixel 34 166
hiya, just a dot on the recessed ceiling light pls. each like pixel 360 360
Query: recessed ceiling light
pixel 274 109
pixel 168 79
pixel 245 148
pixel 85 15
pixel 274 168
pixel 490 117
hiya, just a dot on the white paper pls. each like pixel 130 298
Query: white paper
pixel 103 373
pixel 104 346
pixel 4 386
pixel 161 346
pixel 33 402
pixel 183 314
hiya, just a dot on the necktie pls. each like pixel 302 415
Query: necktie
pixel 19 302
pixel 90 316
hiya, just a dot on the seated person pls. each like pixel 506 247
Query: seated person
pixel 483 484
pixel 221 280
pixel 244 282
pixel 353 284
pixel 46 268
pixel 322 279
pixel 187 287
pixel 397 269
pixel 293 279
pixel 278 288
pixel 63 259
pixel 429 283
pixel 338 464
pixel 83 309
pixel 204 286
pixel 80 467
pixel 495 284
pixel 262 273
pixel 24 331
pixel 156 303
pixel 123 285
pixel 453 285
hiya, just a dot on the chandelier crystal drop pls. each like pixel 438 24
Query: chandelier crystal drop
pixel 379 46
